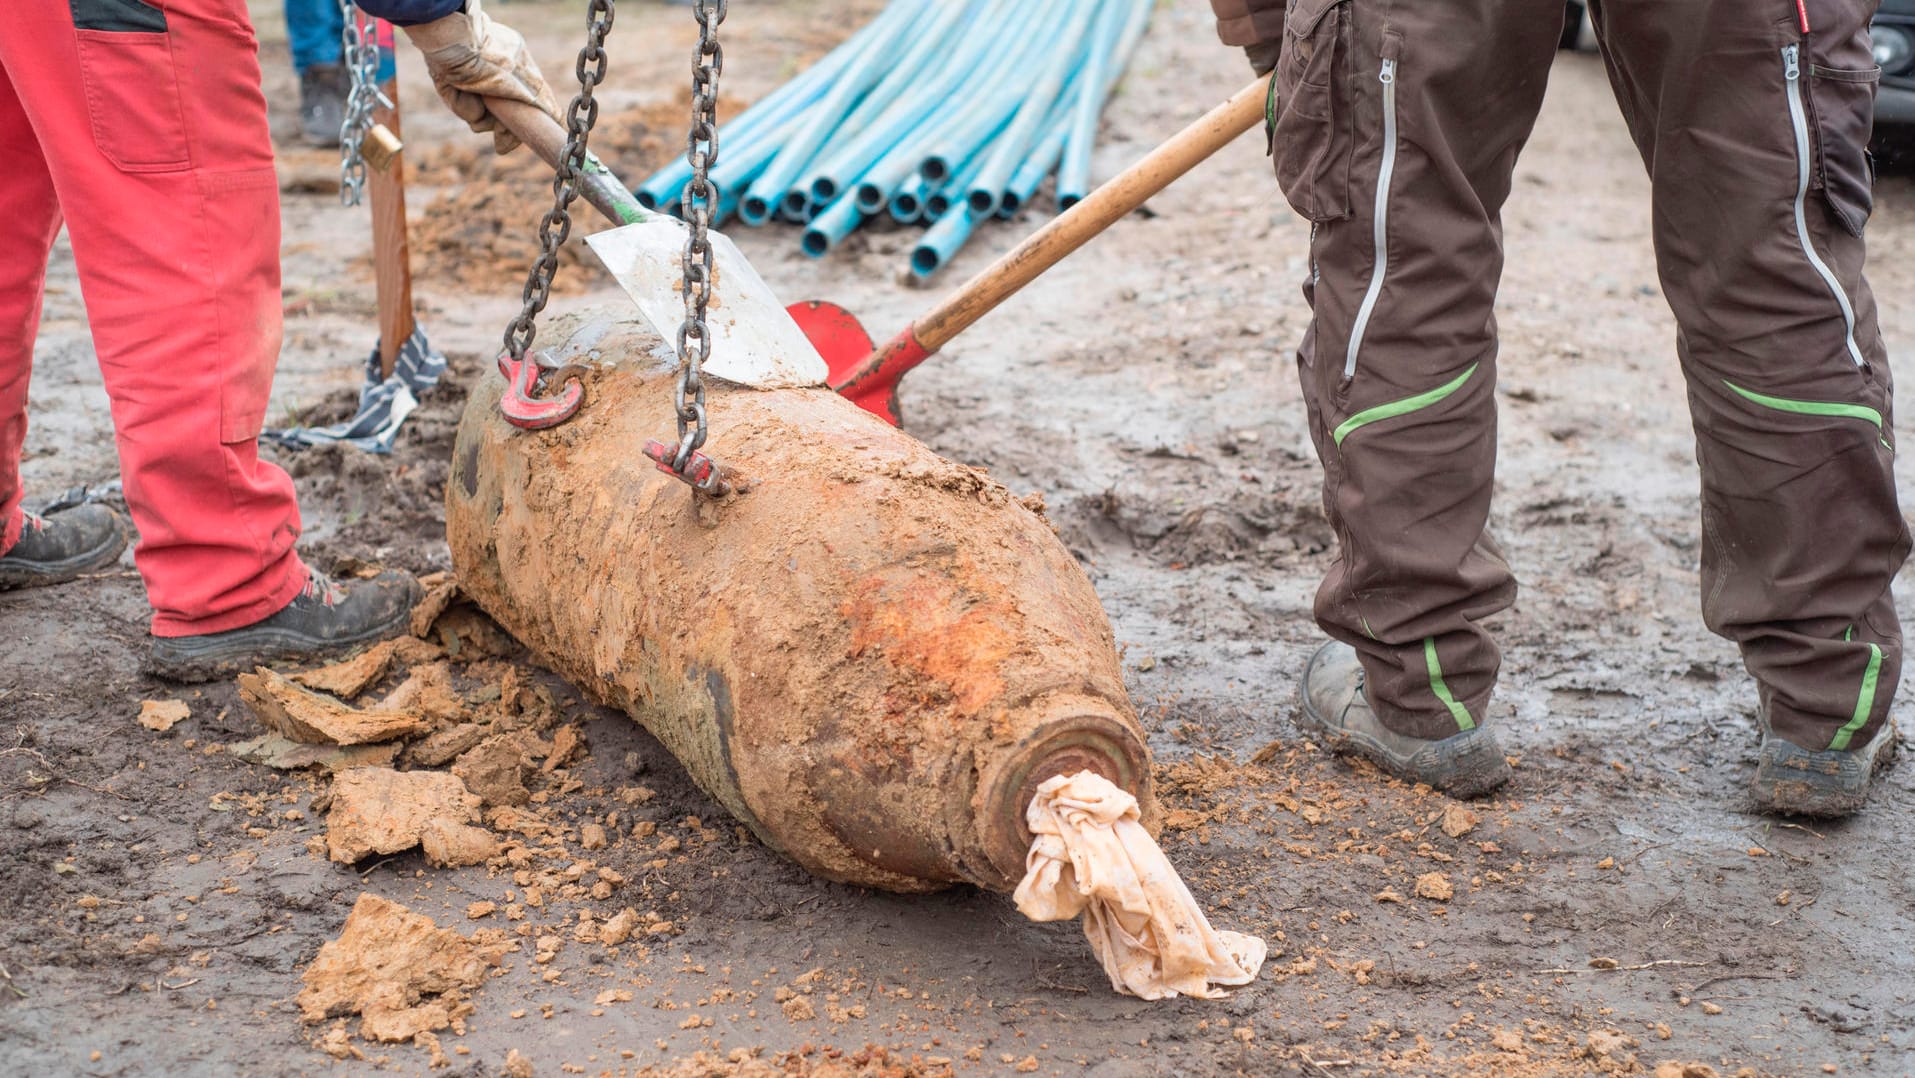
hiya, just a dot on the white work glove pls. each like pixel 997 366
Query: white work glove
pixel 472 58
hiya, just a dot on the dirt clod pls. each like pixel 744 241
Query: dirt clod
pixel 162 715
pixel 300 714
pixel 379 810
pixel 397 970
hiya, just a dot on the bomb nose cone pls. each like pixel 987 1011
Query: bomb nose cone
pixel 1066 734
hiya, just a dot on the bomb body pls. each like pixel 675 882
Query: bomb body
pixel 871 656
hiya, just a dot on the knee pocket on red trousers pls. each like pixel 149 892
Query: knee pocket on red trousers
pixel 1842 103
pixel 1310 115
pixel 132 91
pixel 245 287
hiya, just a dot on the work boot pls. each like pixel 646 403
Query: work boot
pixel 1337 708
pixel 1791 780
pixel 324 619
pixel 322 103
pixel 60 546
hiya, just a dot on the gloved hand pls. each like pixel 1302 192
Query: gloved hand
pixel 1263 55
pixel 472 58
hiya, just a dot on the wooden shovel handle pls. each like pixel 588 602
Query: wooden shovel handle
pixel 546 138
pixel 1072 229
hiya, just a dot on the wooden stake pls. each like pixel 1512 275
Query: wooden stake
pixel 391 255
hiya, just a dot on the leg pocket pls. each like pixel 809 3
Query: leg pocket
pixel 1310 113
pixel 240 219
pixel 132 96
pixel 1843 103
pixel 1310 116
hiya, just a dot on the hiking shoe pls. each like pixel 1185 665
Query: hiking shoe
pixel 322 103
pixel 58 547
pixel 1791 780
pixel 1336 708
pixel 324 619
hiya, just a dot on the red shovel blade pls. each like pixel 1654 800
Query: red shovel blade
pixel 859 372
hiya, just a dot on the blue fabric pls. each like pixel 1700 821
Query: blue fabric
pixel 383 405
pixel 313 28
pixel 409 12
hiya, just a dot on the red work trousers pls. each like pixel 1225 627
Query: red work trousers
pixel 143 126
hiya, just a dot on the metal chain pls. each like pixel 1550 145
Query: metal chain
pixel 359 52
pixel 701 150
pixel 556 226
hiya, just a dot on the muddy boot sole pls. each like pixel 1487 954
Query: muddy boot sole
pixel 223 655
pixel 41 574
pixel 1792 781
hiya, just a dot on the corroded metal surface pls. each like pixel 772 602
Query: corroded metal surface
pixel 870 655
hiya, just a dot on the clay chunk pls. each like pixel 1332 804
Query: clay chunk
pixel 379 810
pixel 396 969
pixel 350 677
pixel 450 844
pixel 302 715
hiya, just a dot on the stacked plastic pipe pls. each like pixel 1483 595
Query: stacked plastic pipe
pixel 943 113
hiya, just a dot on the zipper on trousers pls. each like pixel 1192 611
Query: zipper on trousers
pixel 1799 119
pixel 1386 76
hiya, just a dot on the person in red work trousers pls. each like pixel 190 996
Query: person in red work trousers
pixel 142 126
pixel 1395 127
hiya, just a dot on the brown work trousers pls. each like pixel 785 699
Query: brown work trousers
pixel 1396 124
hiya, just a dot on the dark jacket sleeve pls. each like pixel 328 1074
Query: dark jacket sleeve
pixel 410 12
pixel 1248 22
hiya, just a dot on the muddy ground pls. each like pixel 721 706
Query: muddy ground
pixel 158 901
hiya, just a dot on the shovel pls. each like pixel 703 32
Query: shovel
pixel 818 342
pixel 869 377
pixel 754 342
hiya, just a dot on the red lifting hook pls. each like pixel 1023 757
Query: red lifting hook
pixel 527 412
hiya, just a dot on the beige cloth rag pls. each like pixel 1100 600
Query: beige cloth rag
pixel 1092 857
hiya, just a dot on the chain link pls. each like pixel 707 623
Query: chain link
pixel 701 150
pixel 359 52
pixel 556 226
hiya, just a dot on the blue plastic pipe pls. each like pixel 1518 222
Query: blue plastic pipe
pixel 907 205
pixel 982 117
pixel 945 198
pixel 943 239
pixel 930 45
pixel 882 158
pixel 987 189
pixel 1073 172
pixel 1042 159
pixel 834 224
pixel 773 187
pixel 662 189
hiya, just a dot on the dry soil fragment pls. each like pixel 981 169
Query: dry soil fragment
pixel 619 928
pixel 516 1065
pixel 397 970
pixel 303 715
pixel 1388 894
pixel 496 770
pixel 1611 1044
pixel 350 677
pixel 379 810
pixel 1673 1069
pixel 799 1009
pixel 450 844
pixel 161 715
pixel 1435 886
pixel 565 741
pixel 1458 821
pixel 285 754
pixel 1507 1040
pixel 427 694
pixel 429 608
pixel 441 746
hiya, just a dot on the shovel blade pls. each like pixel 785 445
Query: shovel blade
pixel 754 342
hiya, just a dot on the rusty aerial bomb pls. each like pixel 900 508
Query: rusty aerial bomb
pixel 870 655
